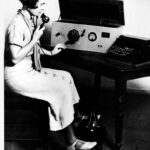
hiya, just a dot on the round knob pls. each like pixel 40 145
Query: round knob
pixel 73 36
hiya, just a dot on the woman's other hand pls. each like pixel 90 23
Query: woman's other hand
pixel 38 33
pixel 58 48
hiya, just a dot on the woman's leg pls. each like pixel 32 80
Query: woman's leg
pixel 69 135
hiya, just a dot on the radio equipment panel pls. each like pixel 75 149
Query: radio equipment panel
pixel 84 37
pixel 88 25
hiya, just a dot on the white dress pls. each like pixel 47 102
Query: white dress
pixel 54 86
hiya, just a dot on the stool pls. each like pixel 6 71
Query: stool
pixel 26 120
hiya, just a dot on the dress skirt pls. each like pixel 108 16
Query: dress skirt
pixel 54 86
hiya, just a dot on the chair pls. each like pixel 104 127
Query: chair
pixel 26 120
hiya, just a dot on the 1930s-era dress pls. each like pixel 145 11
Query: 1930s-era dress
pixel 55 86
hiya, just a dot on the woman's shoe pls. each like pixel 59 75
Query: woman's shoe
pixel 82 145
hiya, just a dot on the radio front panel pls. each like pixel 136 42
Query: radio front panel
pixel 84 37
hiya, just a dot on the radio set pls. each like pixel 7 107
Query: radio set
pixel 88 25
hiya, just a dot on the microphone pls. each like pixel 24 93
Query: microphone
pixel 45 19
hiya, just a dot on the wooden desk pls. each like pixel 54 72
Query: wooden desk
pixel 104 66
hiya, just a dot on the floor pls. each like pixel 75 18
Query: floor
pixel 136 130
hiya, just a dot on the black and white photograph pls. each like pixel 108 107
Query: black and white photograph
pixel 75 75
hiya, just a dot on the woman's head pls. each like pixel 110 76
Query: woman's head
pixel 29 3
pixel 36 7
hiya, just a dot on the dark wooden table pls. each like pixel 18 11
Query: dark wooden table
pixel 119 71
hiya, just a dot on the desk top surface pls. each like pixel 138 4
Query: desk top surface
pixel 100 63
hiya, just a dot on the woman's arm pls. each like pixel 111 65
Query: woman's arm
pixel 18 53
pixel 55 51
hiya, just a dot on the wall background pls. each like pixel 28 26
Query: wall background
pixel 137 15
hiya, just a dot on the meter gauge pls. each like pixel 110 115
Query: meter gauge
pixel 92 36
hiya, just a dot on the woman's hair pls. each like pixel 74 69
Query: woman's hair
pixel 29 3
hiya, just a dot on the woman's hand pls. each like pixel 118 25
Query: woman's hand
pixel 58 48
pixel 37 34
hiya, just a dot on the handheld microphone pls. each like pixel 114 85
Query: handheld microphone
pixel 45 19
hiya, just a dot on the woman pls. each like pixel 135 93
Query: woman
pixel 24 74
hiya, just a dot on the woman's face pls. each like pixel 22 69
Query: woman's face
pixel 40 7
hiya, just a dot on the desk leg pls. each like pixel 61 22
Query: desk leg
pixel 120 89
pixel 97 83
pixel 106 138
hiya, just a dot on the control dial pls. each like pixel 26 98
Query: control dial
pixel 92 36
pixel 73 36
